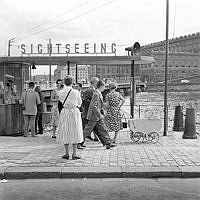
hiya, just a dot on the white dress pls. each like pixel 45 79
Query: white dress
pixel 70 129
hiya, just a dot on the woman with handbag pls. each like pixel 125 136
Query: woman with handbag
pixel 114 102
pixel 70 129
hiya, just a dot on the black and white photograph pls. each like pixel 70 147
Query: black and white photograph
pixel 100 100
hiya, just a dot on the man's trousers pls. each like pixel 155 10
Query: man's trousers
pixel 100 130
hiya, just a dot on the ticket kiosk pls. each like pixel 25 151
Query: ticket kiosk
pixel 12 78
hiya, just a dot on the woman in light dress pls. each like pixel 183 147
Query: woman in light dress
pixel 54 110
pixel 70 129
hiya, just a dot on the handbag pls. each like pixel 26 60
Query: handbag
pixel 60 104
pixel 124 122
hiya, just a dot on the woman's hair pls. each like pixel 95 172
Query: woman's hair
pixel 94 80
pixel 8 84
pixel 112 86
pixel 100 83
pixel 38 89
pixel 58 80
pixel 31 84
pixel 80 85
pixel 68 80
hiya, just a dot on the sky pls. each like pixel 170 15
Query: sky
pixel 93 21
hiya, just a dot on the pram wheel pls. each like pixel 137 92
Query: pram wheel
pixel 153 137
pixel 136 136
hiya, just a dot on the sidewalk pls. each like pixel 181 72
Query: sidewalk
pixel 41 157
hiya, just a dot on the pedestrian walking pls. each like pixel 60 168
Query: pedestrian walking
pixel 40 110
pixel 56 106
pixel 86 99
pixel 30 100
pixel 95 117
pixel 114 102
pixel 70 130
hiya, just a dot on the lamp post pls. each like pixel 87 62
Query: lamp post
pixel 133 50
pixel 166 71
pixel 33 68
pixel 50 51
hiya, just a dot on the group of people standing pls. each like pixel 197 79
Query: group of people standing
pixel 75 125
pixel 75 114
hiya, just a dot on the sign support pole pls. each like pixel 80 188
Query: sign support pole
pixel 68 67
pixel 76 73
pixel 133 90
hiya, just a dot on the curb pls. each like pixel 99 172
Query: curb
pixel 94 172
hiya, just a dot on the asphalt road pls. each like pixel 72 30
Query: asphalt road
pixel 101 189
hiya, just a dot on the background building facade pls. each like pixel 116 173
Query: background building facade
pixel 183 62
pixel 82 72
pixel 183 59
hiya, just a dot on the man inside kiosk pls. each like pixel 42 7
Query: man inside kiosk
pixel 10 95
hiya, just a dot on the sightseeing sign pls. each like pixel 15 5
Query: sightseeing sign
pixel 76 48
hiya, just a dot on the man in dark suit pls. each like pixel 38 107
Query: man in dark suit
pixel 95 117
pixel 86 99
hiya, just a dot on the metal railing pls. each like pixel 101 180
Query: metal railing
pixel 157 110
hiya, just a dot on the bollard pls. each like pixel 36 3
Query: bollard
pixel 178 118
pixel 190 126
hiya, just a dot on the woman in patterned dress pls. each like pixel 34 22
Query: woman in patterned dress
pixel 70 130
pixel 114 102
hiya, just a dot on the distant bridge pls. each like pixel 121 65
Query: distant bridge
pixel 140 86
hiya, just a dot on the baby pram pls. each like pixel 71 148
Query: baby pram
pixel 144 130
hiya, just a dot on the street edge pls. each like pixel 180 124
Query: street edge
pixel 95 172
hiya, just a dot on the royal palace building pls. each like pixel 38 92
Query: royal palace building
pixel 183 59
pixel 183 62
